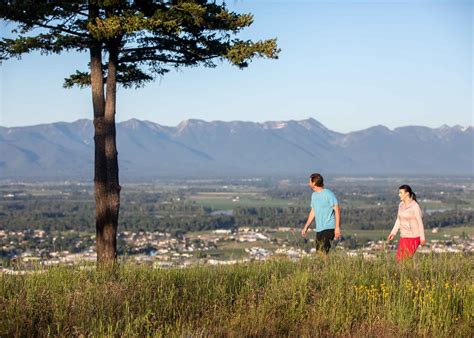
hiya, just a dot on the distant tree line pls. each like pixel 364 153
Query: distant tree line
pixel 181 217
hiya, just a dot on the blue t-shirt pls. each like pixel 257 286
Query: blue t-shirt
pixel 323 203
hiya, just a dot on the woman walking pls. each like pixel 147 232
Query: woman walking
pixel 409 221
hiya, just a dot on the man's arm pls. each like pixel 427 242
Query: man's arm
pixel 308 222
pixel 337 216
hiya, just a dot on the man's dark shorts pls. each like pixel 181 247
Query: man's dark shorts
pixel 323 240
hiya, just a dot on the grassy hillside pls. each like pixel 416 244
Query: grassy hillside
pixel 431 295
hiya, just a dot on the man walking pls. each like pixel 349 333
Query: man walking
pixel 325 209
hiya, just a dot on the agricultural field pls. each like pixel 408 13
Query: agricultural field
pixel 231 200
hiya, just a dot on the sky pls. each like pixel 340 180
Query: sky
pixel 348 64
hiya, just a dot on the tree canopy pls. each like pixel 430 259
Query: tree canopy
pixel 151 37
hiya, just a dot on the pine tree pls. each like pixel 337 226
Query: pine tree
pixel 130 43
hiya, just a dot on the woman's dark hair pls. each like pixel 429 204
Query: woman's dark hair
pixel 407 188
pixel 317 179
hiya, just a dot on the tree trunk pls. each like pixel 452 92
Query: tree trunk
pixel 106 203
pixel 108 235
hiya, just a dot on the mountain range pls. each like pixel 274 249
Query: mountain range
pixel 197 148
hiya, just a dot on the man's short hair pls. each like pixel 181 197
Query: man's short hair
pixel 317 179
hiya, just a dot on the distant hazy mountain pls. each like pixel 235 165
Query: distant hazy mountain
pixel 199 148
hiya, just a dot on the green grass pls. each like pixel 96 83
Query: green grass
pixel 429 296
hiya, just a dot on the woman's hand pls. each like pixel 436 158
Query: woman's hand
pixel 390 237
pixel 423 242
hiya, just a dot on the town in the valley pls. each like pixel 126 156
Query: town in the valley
pixel 218 222
pixel 217 247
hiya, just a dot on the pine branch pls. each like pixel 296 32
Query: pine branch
pixel 62 29
pixel 165 59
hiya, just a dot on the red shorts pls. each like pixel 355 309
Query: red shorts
pixel 407 247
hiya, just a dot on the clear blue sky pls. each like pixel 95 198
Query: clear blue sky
pixel 348 64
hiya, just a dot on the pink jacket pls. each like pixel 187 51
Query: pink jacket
pixel 409 221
